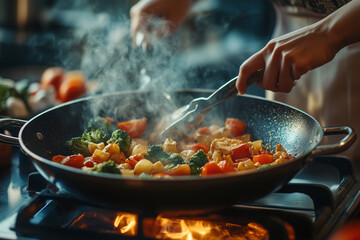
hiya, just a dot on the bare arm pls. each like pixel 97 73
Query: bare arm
pixel 171 12
pixel 286 58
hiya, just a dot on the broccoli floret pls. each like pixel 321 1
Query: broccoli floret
pixel 108 167
pixel 78 145
pixel 95 136
pixel 264 166
pixel 156 153
pixel 100 123
pixel 197 162
pixel 175 159
pixel 170 166
pixel 122 139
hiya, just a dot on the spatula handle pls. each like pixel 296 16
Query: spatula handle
pixel 229 90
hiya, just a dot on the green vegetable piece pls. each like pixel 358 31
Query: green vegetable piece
pixel 78 145
pixel 156 153
pixel 175 158
pixel 122 139
pixel 197 162
pixel 95 136
pixel 100 123
pixel 264 166
pixel 107 167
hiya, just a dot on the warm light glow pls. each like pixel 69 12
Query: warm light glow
pixel 126 223
pixel 190 229
pixel 290 231
pixel 22 12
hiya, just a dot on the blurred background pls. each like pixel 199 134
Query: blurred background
pixel 93 36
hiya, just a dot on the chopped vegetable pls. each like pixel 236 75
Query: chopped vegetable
pixel 72 87
pixel 78 145
pixel 95 136
pixel 107 167
pixel 122 139
pixel 135 128
pixel 156 153
pixel 263 159
pixel 211 168
pixel 216 151
pixel 102 124
pixel 236 126
pixel 197 162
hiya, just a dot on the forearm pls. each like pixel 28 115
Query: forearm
pixel 343 25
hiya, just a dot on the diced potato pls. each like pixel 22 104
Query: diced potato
pixel 125 166
pixel 245 138
pixel 246 165
pixel 179 170
pixel 204 139
pixel 214 127
pixel 118 158
pixel 112 148
pixel 216 156
pixel 158 167
pixel 139 148
pixel 143 166
pixel 222 132
pixel 127 172
pixel 257 164
pixel 187 154
pixel 257 144
pixel 279 147
pixel 169 146
pixel 137 141
pixel 279 160
pixel 93 146
pixel 100 155
pixel 225 145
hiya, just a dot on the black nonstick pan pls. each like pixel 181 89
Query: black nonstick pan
pixel 45 135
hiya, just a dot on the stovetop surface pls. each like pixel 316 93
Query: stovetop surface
pixel 324 189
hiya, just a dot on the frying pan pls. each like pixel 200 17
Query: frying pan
pixel 45 135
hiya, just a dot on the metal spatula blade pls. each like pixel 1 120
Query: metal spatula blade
pixel 183 122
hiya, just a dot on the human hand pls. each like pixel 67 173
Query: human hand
pixel 288 57
pixel 156 19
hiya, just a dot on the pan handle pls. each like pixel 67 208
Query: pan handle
pixel 342 145
pixel 4 122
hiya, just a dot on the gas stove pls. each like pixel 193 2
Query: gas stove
pixel 316 202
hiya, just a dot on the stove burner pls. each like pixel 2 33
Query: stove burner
pixel 313 204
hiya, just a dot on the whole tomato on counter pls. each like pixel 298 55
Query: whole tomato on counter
pixel 72 87
pixel 68 85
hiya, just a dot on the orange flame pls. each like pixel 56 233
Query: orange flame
pixel 127 223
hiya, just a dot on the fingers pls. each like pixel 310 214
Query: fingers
pixel 250 66
pixel 286 78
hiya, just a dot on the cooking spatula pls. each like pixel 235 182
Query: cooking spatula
pixel 182 122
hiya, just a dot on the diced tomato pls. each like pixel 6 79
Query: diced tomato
pixel 58 158
pixel 134 159
pixel 236 126
pixel 135 128
pixel 89 163
pixel 109 119
pixel 211 168
pixel 200 131
pixel 76 161
pixel 196 147
pixel 241 152
pixel 72 87
pixel 226 166
pixel 203 131
pixel 263 158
